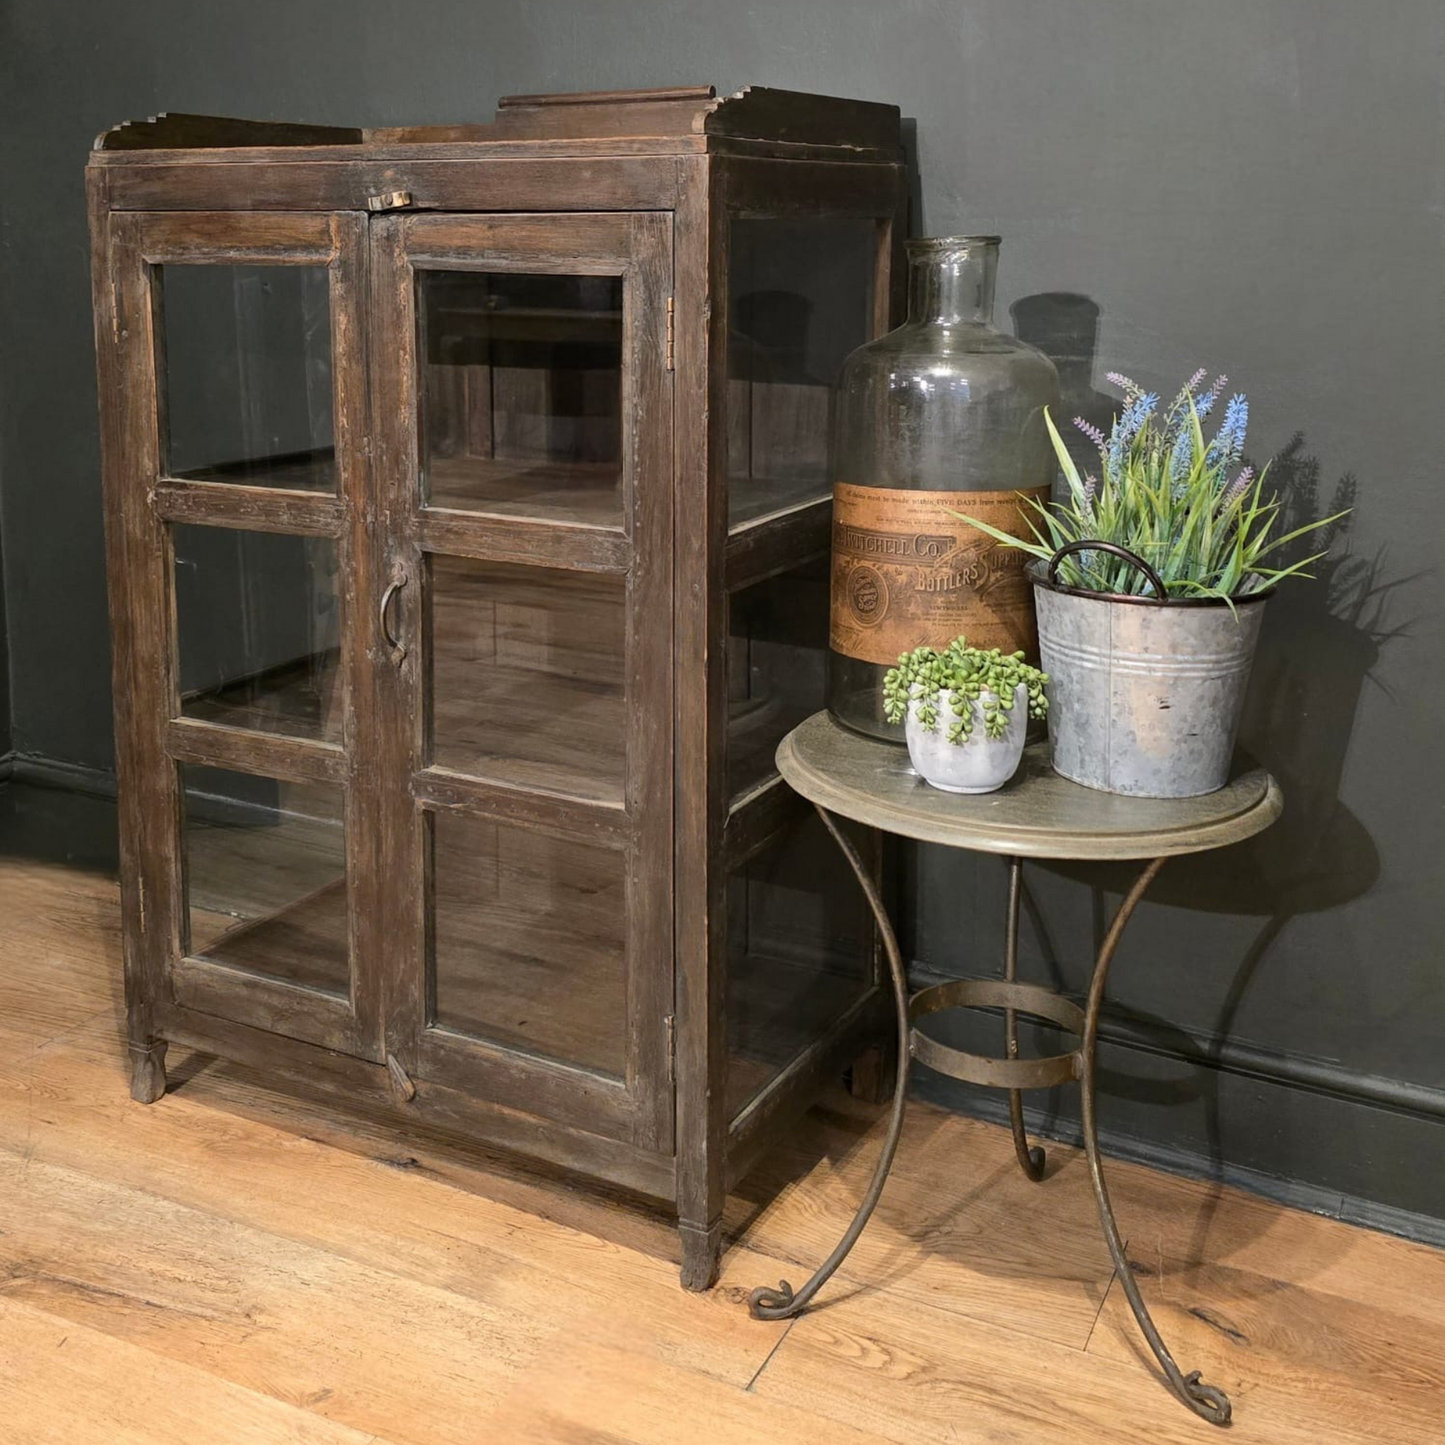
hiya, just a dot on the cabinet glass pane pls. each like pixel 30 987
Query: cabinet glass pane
pixel 259 624
pixel 528 941
pixel 799 954
pixel 265 868
pixel 777 666
pixel 521 391
pixel 246 382
pixel 527 676
pixel 800 298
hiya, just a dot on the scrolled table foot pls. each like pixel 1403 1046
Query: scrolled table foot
pixel 1209 1402
pixel 1031 1157
pixel 765 1303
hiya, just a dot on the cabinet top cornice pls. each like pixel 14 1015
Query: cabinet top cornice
pixel 678 120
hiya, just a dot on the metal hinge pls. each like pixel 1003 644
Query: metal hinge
pixel 672 1048
pixel 670 333
pixel 389 201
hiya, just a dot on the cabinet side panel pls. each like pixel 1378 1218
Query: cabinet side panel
pixel 701 624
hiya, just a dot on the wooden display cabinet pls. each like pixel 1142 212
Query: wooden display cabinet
pixel 468 516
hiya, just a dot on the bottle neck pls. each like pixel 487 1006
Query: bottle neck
pixel 951 284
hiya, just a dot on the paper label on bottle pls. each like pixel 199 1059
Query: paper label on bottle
pixel 907 572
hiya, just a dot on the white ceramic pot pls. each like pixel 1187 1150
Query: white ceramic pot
pixel 979 764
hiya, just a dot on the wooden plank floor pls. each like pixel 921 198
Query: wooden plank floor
pixel 234 1265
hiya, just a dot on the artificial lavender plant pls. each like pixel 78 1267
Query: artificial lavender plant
pixel 1187 505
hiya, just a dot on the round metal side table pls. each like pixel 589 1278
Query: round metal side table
pixel 1038 815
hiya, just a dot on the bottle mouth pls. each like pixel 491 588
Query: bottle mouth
pixel 940 245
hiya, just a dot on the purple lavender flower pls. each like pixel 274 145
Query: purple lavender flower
pixel 1092 432
pixel 1237 488
pixel 1205 404
pixel 1184 397
pixel 1127 386
pixel 1126 426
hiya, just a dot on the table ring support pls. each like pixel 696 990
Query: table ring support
pixel 1013 1074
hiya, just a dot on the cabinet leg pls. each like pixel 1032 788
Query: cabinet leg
pixel 701 1251
pixel 1207 1401
pixel 148 1071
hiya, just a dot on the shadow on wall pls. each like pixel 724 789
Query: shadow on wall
pixel 1318 652
pixel 1065 327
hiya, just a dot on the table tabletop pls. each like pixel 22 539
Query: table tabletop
pixel 1039 814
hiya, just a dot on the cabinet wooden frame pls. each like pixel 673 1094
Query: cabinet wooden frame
pixel 644 188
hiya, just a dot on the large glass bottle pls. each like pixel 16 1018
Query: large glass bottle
pixel 944 412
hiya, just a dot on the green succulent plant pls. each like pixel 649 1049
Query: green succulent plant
pixel 966 675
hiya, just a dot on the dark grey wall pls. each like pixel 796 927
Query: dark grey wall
pixel 5 756
pixel 1255 185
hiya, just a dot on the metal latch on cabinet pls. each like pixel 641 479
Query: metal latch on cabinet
pixel 389 201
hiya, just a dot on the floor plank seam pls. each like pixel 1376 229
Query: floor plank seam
pixel 751 1385
pixel 1099 1313
pixel 76 1029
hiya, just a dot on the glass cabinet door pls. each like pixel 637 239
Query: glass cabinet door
pixel 530 608
pixel 797 950
pixel 243 366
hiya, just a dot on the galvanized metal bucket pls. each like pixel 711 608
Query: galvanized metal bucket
pixel 1144 694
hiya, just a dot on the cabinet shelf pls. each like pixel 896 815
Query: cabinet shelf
pixel 753 499
pixel 582 493
pixel 308 471
pixel 528 729
pixel 301 699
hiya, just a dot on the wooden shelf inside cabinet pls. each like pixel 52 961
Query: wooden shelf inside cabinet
pixel 583 493
pixel 777 536
pixel 311 471
pixel 554 733
pixel 754 501
pixel 467 519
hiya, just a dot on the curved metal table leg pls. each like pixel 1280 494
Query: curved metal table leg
pixel 783 1303
pixel 1031 1161
pixel 1207 1401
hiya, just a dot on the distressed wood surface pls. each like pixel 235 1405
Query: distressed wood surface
pixel 240 1265
pixel 199 181
pixel 676 118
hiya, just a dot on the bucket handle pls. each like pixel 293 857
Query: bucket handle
pixel 1084 544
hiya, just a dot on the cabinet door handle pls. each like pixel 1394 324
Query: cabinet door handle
pixel 383 617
